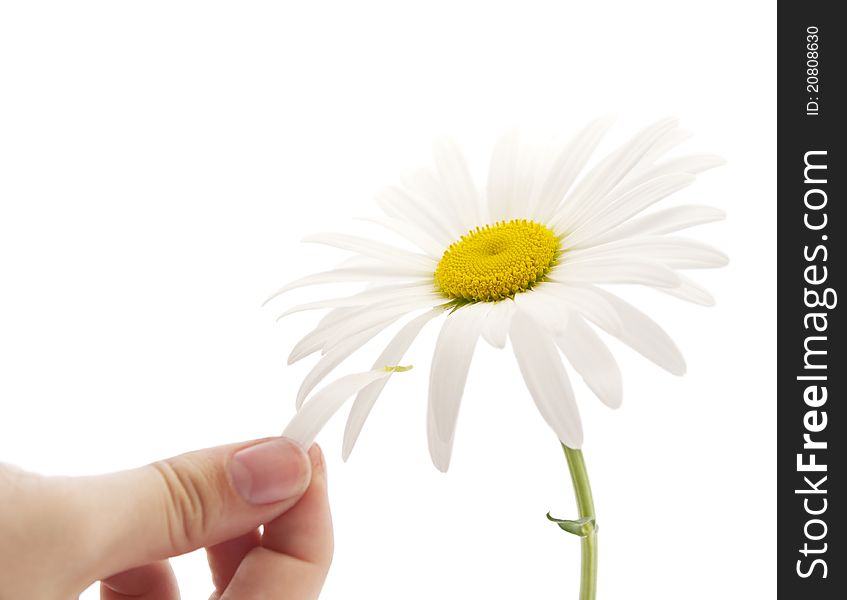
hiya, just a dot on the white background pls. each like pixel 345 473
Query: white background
pixel 159 162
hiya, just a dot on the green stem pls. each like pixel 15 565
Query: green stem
pixel 585 505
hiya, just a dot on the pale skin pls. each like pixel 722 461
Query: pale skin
pixel 58 535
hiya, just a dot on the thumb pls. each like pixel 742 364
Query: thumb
pixel 194 500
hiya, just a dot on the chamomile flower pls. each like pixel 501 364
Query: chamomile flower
pixel 523 260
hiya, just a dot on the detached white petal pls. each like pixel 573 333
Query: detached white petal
pixel 315 413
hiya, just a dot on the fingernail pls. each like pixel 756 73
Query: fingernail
pixel 270 471
pixel 318 462
pixel 317 457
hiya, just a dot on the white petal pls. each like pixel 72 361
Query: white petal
pixel 585 301
pixel 416 233
pixel 664 144
pixel 566 166
pixel 426 187
pixel 341 319
pixel 681 253
pixel 495 328
pixel 646 167
pixel 336 356
pixel 325 336
pixel 644 335
pixel 548 310
pixel 358 261
pixel 361 273
pixel 603 178
pixel 393 311
pixel 457 182
pixel 450 363
pixel 439 450
pixel 502 173
pixel 690 291
pixel 616 269
pixel 673 252
pixel 375 294
pixel 592 360
pixel 419 209
pixel 533 164
pixel 663 221
pixel 315 413
pixel 334 316
pixel 627 206
pixel 546 379
pixel 391 356
pixel 693 164
pixel 382 252
pixel 312 341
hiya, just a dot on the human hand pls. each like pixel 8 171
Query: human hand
pixel 58 535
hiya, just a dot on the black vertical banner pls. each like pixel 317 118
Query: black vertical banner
pixel 812 363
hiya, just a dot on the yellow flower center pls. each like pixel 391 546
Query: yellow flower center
pixel 497 261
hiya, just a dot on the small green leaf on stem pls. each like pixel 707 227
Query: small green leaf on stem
pixel 579 527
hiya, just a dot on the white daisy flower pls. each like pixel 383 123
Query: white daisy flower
pixel 522 260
